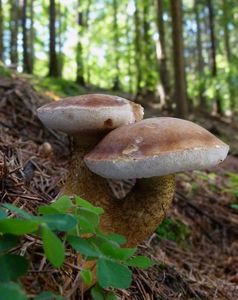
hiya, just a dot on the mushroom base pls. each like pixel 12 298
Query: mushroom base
pixel 137 215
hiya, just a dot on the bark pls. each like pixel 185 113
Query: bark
pixel 32 36
pixel 27 66
pixel 226 17
pixel 218 104
pixel 149 89
pixel 180 96
pixel 86 25
pixel 129 56
pixel 226 30
pixel 1 32
pixel 200 63
pixel 162 56
pixel 14 16
pixel 138 54
pixel 53 58
pixel 116 81
pixel 79 54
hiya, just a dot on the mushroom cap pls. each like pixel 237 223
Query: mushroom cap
pixel 155 147
pixel 90 113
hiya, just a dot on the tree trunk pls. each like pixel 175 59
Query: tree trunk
pixel 218 104
pixel 178 56
pixel 162 56
pixel 138 54
pixel 86 26
pixel 27 67
pixel 1 32
pixel 31 37
pixel 14 32
pixel 226 17
pixel 116 81
pixel 226 30
pixel 79 54
pixel 149 88
pixel 200 63
pixel 53 62
pixel 129 52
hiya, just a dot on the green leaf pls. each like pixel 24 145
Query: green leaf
pixel 47 210
pixel 18 226
pixel 18 211
pixel 87 276
pixel 3 214
pixel 119 239
pixel 81 202
pixel 83 246
pixel 12 267
pixel 90 216
pixel 139 262
pixel 97 293
pixel 53 247
pixel 63 204
pixel 10 291
pixel 234 206
pixel 48 296
pixel 113 274
pixel 117 253
pixel 7 242
pixel 60 222
pixel 110 296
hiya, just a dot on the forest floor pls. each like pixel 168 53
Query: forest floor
pixel 196 246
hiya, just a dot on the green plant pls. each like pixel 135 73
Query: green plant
pixel 173 230
pixel 67 222
pixel 232 188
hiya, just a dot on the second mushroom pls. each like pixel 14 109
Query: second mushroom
pixel 150 150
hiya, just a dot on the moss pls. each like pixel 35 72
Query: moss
pixel 4 71
pixel 58 87
pixel 173 230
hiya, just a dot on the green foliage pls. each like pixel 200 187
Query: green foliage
pixel 173 230
pixel 232 188
pixel 53 247
pixel 11 290
pixel 4 71
pixel 58 86
pixel 59 225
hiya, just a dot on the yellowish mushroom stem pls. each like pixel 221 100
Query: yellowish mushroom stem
pixel 137 215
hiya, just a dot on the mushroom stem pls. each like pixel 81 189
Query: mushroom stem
pixel 137 215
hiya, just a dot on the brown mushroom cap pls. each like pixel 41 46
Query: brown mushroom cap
pixel 155 147
pixel 89 113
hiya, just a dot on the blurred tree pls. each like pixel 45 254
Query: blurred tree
pixel 79 51
pixel 14 19
pixel 129 53
pixel 54 69
pixel 116 81
pixel 200 63
pixel 218 102
pixel 180 95
pixel 1 31
pixel 164 89
pixel 28 36
pixel 138 53
pixel 226 20
pixel 148 48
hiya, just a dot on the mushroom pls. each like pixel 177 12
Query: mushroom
pixel 151 150
pixel 87 119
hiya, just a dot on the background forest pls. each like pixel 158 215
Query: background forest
pixel 177 52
